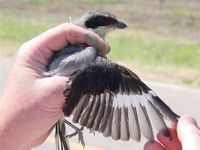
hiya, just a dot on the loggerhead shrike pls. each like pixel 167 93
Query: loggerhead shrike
pixel 104 96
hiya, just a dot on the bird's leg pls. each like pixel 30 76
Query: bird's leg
pixel 77 131
pixel 61 141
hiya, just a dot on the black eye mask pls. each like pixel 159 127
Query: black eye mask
pixel 97 21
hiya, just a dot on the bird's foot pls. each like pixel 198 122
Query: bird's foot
pixel 80 136
pixel 81 139
pixel 77 132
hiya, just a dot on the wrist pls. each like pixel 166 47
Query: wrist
pixel 13 130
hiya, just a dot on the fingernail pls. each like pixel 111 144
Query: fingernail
pixel 166 133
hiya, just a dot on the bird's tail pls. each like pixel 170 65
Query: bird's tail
pixel 60 133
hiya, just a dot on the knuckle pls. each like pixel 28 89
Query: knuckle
pixel 23 48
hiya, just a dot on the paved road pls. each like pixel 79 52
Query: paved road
pixel 183 100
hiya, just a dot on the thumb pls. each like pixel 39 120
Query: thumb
pixel 188 133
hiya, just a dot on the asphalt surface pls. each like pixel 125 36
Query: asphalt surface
pixel 185 101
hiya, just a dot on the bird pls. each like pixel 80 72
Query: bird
pixel 102 95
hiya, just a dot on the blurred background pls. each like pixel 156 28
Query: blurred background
pixel 161 44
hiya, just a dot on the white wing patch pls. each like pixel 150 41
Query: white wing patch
pixel 124 100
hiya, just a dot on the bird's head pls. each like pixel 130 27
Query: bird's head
pixel 99 21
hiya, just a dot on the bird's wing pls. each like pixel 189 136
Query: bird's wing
pixel 111 99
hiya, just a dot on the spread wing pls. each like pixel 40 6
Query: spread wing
pixel 111 99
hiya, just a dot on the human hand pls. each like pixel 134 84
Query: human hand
pixel 186 137
pixel 31 103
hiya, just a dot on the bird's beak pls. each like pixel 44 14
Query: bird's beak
pixel 120 25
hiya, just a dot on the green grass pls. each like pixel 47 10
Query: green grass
pixel 137 46
pixel 151 49
pixel 179 12
pixel 14 32
pixel 17 31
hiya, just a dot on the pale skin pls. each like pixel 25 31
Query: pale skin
pixel 185 136
pixel 31 103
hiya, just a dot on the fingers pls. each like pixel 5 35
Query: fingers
pixel 188 133
pixel 170 143
pixel 153 146
pixel 94 40
pixel 167 143
pixel 56 38
pixel 66 33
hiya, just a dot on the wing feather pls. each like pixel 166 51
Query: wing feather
pixel 79 109
pixel 134 127
pixel 85 115
pixel 93 112
pixel 108 127
pixel 156 117
pixel 115 131
pixel 165 109
pixel 107 113
pixel 145 124
pixel 100 113
pixel 125 134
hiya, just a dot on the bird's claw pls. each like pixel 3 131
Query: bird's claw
pixel 80 136
pixel 71 135
pixel 81 139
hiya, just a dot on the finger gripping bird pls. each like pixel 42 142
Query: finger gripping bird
pixel 104 96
